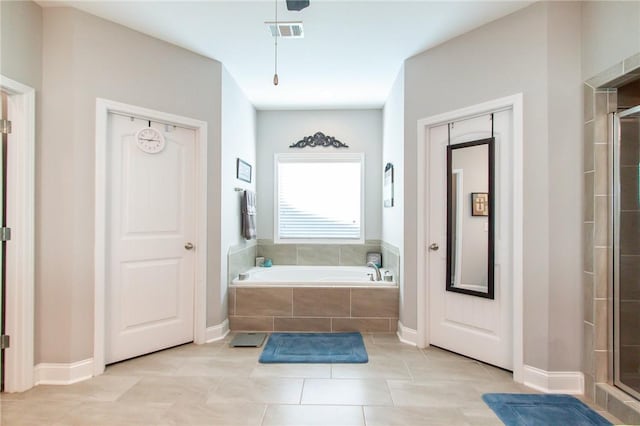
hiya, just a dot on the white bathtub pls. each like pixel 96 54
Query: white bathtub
pixel 312 276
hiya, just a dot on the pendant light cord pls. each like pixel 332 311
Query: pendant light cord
pixel 275 74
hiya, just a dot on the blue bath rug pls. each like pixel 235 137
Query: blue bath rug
pixel 314 348
pixel 542 410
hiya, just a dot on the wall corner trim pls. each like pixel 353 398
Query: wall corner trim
pixel 407 335
pixel 570 382
pixel 217 332
pixel 63 374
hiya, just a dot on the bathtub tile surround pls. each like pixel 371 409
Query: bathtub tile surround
pixel 328 302
pixel 280 254
pixel 391 259
pixel 240 258
pixel 318 254
pixel 600 98
pixel 330 255
pixel 312 254
pixel 262 301
pixel 365 325
pixel 302 324
pixel 319 309
pixel 374 302
pixel 313 309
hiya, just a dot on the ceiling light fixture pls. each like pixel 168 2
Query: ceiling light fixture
pixel 275 75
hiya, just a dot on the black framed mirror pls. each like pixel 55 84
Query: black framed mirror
pixel 471 218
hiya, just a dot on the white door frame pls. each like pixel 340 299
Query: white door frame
pixel 103 108
pixel 511 102
pixel 19 372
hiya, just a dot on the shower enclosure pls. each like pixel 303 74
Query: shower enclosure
pixel 626 250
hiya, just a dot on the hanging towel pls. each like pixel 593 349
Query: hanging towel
pixel 248 209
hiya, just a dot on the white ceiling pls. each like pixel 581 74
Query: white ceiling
pixel 349 57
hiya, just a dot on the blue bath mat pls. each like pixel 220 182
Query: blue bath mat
pixel 542 410
pixel 314 348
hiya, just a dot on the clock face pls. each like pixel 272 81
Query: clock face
pixel 150 140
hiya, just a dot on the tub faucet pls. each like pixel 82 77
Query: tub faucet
pixel 374 266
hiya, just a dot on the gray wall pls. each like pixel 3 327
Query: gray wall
pixel 565 118
pixel 610 33
pixel 85 57
pixel 508 56
pixel 21 42
pixel 360 129
pixel 238 141
pixel 393 152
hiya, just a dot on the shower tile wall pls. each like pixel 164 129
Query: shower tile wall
pixel 596 235
pixel 630 244
pixel 599 101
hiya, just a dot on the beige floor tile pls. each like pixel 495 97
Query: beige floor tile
pixel 432 393
pixel 256 390
pixel 313 415
pixel 376 368
pixel 395 351
pixel 191 349
pixel 216 414
pixel 215 384
pixel 247 354
pixel 434 353
pixel 151 365
pixel 346 392
pixel 316 371
pixel 463 371
pixel 409 416
pixel 494 386
pixel 115 414
pixel 33 413
pixel 217 366
pixel 386 338
pixel 170 390
pixel 480 414
pixel 101 388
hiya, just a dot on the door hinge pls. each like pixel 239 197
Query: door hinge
pixel 5 234
pixel 5 126
pixel 5 341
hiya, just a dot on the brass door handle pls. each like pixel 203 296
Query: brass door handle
pixel 434 247
pixel 188 246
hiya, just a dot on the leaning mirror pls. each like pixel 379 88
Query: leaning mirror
pixel 470 218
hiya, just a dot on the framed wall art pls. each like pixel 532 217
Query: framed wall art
pixel 243 170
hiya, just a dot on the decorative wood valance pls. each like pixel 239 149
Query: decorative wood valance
pixel 319 139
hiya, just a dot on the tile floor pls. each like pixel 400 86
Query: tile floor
pixel 214 384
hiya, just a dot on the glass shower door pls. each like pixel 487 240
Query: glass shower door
pixel 627 251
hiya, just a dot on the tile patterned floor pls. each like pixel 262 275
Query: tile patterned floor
pixel 214 384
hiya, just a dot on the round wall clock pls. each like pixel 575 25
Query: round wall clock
pixel 150 140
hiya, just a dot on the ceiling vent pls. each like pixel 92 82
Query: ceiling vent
pixel 286 29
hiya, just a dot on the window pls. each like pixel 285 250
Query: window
pixel 319 198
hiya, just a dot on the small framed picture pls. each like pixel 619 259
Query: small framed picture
pixel 243 170
pixel 479 204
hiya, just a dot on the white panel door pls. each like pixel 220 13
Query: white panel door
pixel 477 327
pixel 151 222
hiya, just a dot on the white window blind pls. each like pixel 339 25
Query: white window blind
pixel 319 197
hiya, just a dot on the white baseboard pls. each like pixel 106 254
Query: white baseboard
pixel 63 374
pixel 217 332
pixel 407 335
pixel 570 382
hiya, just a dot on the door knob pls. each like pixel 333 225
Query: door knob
pixel 434 247
pixel 188 246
